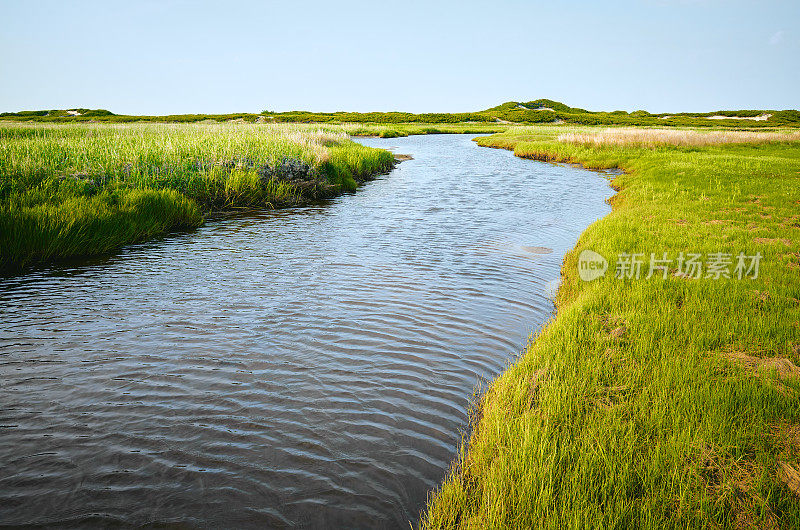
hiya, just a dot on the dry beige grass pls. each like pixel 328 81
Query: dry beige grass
pixel 790 476
pixel 785 368
pixel 657 137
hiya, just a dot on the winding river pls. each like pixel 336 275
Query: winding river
pixel 307 367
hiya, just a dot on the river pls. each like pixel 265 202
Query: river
pixel 308 367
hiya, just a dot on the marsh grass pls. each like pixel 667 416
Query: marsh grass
pixel 645 137
pixel 70 190
pixel 91 225
pixel 661 403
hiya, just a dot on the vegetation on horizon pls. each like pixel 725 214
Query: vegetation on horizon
pixel 668 402
pixel 512 112
pixel 69 190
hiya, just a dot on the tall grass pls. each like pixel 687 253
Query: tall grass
pixel 660 403
pixel 90 225
pixel 80 189
pixel 656 137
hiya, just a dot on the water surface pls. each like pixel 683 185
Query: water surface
pixel 306 367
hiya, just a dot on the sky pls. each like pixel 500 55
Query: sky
pixel 171 57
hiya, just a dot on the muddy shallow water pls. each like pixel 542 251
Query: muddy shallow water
pixel 305 367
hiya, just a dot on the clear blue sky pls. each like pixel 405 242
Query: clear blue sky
pixel 148 57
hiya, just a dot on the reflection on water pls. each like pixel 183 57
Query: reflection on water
pixel 306 367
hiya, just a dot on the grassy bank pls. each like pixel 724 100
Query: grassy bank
pixel 662 402
pixel 68 190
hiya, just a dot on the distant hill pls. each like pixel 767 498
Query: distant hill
pixel 550 111
pixel 511 112
pixel 539 104
pixel 66 113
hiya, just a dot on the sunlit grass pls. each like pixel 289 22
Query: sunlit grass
pixel 652 403
pixel 655 137
pixel 70 190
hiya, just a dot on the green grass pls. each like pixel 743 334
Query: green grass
pixel 651 403
pixel 77 225
pixel 70 190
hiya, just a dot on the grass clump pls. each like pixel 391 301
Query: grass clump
pixel 80 225
pixel 68 190
pixel 652 403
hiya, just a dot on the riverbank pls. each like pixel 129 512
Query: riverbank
pixel 668 401
pixel 86 189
